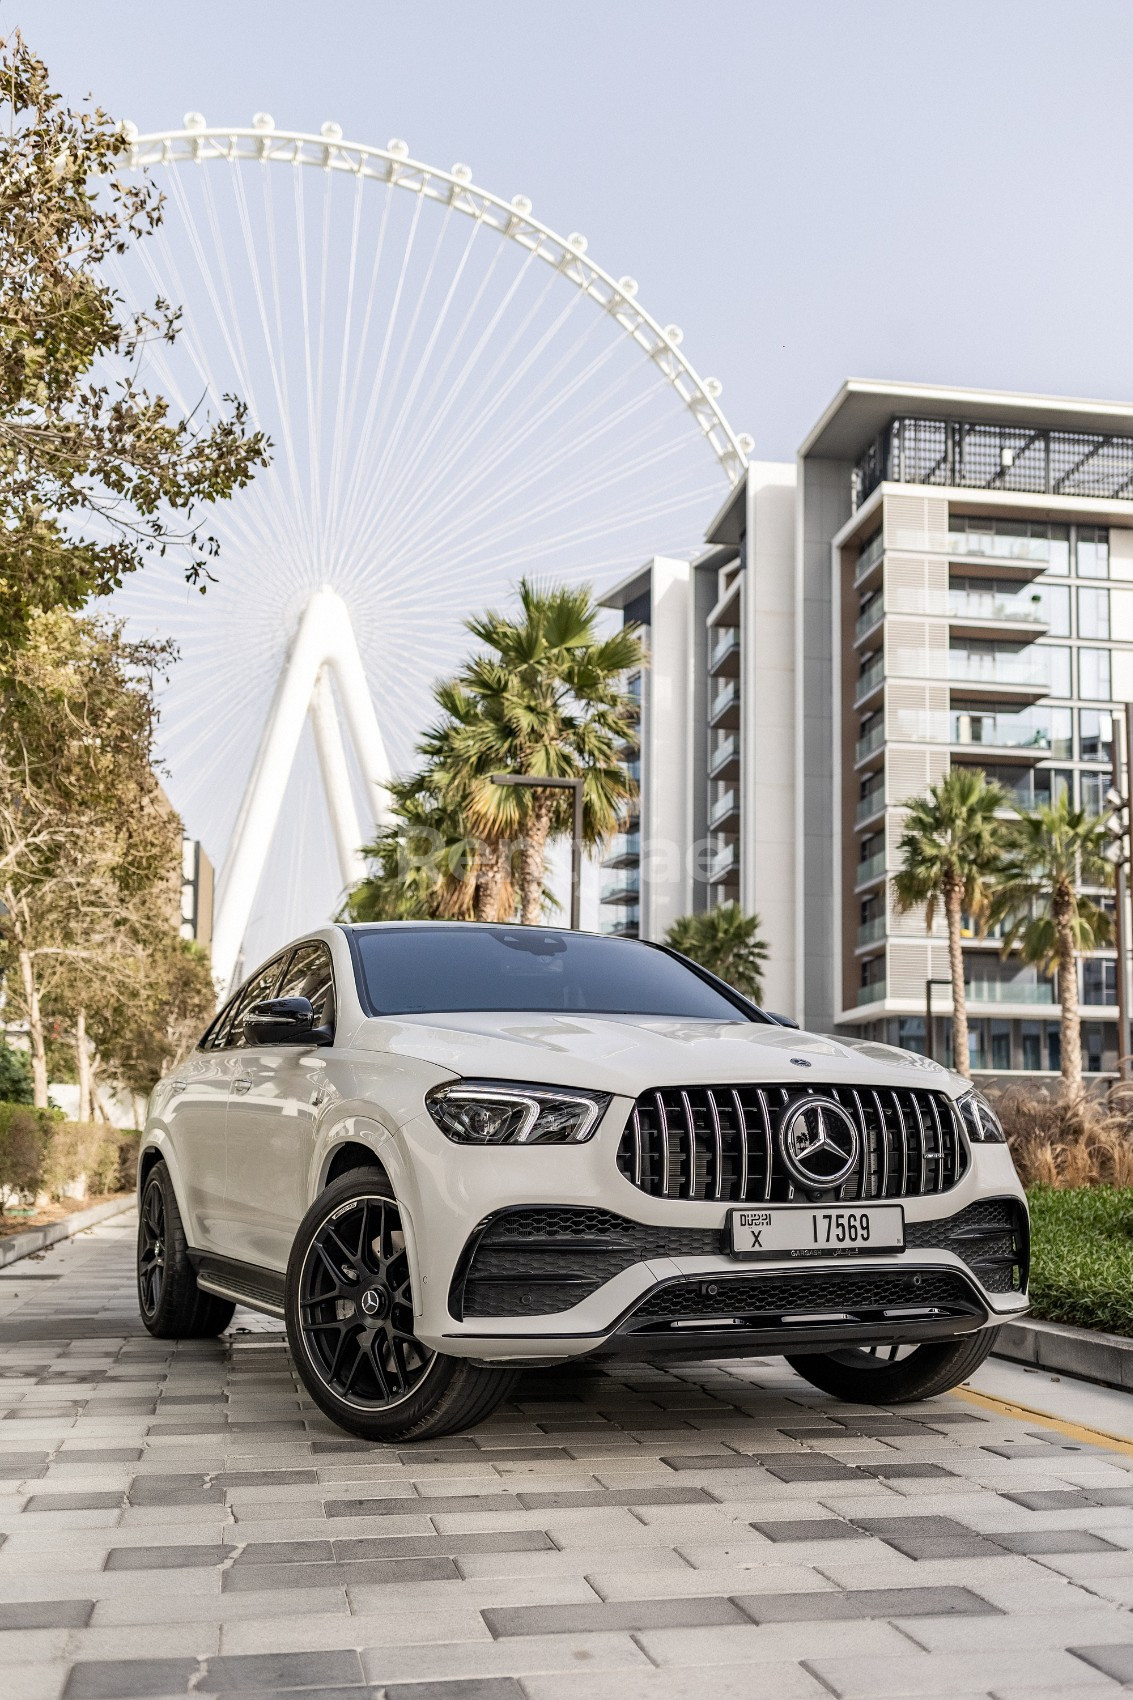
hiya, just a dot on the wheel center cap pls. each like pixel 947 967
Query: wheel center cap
pixel 374 1302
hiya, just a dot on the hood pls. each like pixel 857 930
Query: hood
pixel 627 1056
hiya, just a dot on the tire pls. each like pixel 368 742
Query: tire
pixel 863 1378
pixel 173 1307
pixel 363 1367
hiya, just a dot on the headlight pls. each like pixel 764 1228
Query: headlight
pixel 506 1112
pixel 983 1125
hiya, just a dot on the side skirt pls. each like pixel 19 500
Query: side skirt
pixel 244 1283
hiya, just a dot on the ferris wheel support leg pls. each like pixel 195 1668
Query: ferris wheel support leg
pixel 336 782
pixel 358 707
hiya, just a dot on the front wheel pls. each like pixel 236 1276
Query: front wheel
pixel 895 1375
pixel 349 1311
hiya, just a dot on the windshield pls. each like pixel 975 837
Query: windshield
pixel 456 967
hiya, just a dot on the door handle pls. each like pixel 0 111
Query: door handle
pixel 241 1084
pixel 319 1093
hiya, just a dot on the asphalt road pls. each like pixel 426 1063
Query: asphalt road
pixel 178 1519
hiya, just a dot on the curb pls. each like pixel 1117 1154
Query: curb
pixel 38 1239
pixel 1104 1358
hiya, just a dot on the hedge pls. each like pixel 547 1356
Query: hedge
pixel 1082 1256
pixel 40 1152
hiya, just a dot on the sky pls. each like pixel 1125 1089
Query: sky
pixel 811 189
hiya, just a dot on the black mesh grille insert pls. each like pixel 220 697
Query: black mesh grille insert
pixel 989 1236
pixel 855 1293
pixel 721 1142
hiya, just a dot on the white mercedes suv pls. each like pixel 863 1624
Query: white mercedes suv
pixel 441 1152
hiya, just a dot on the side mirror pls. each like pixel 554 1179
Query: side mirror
pixel 284 1021
pixel 783 1020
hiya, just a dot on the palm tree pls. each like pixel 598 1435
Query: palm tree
pixel 423 864
pixel 726 942
pixel 1053 851
pixel 949 849
pixel 546 700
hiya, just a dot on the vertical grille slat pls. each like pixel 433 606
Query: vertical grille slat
pixel 708 1144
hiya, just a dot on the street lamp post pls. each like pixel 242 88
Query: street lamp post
pixel 929 1047
pixel 536 784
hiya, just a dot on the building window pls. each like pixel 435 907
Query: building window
pixel 1092 788
pixel 1054 604
pixel 1000 1044
pixel 1099 980
pixel 1093 675
pixel 1095 735
pixel 1056 659
pixel 1093 611
pixel 1093 551
pixel 1031 1045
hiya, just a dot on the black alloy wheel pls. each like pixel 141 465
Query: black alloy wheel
pixel 151 1247
pixel 356 1306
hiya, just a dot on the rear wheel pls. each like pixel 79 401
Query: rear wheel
pixel 349 1312
pixel 172 1305
pixel 895 1375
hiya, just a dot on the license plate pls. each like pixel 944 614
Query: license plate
pixel 804 1230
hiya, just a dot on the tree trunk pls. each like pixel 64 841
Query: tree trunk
pixel 82 1058
pixel 533 865
pixel 1070 1033
pixel 952 908
pixel 491 881
pixel 35 1030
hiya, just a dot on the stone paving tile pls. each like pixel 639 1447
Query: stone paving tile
pixel 179 1512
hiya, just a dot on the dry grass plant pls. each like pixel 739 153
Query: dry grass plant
pixel 1060 1143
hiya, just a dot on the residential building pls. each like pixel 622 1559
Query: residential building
pixel 945 577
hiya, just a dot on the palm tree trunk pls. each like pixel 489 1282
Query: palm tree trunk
pixel 533 864
pixel 36 1036
pixel 490 881
pixel 960 1060
pixel 1070 1034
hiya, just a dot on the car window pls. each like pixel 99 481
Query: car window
pixel 262 985
pixel 309 975
pixel 456 967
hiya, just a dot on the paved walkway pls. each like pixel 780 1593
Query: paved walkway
pixel 180 1520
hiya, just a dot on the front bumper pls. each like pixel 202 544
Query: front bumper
pixel 678 1290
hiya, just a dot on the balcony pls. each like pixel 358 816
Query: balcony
pixel 626 926
pixel 725 808
pixel 872 993
pixel 977 609
pixel 724 760
pixel 724 709
pixel 624 890
pixel 869 558
pixel 871 615
pixel 724 655
pixel 1037 553
pixel 724 864
pixel 1021 673
pixel 625 849
pixel 870 931
pixel 871 869
pixel 871 742
pixel 1005 991
pixel 870 805
pixel 870 679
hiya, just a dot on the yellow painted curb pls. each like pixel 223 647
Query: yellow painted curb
pixel 1073 1431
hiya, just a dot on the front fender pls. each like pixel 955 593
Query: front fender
pixel 359 1126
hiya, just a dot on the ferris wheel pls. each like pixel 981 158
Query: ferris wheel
pixel 455 396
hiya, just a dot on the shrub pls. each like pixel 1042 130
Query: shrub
pixel 1054 1143
pixel 25 1136
pixel 15 1076
pixel 81 1152
pixel 1082 1256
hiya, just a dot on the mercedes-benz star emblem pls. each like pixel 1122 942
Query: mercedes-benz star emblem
pixel 371 1301
pixel 819 1143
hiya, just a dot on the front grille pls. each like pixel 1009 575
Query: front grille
pixel 532 1262
pixel 721 1142
pixel 860 1295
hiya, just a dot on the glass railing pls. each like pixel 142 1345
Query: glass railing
pixel 625 890
pixel 622 847
pixel 870 805
pixel 722 808
pixel 873 740
pixel 869 931
pixel 726 644
pixel 870 679
pixel 966 667
pixel 722 755
pixel 869 557
pixel 1004 731
pixel 871 868
pixel 1004 991
pixel 872 992
pixel 987 545
pixel 724 700
pixel 981 605
pixel 869 616
pixel 723 862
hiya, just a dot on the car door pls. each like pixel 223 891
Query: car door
pixel 272 1107
pixel 195 1112
pixel 226 1237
